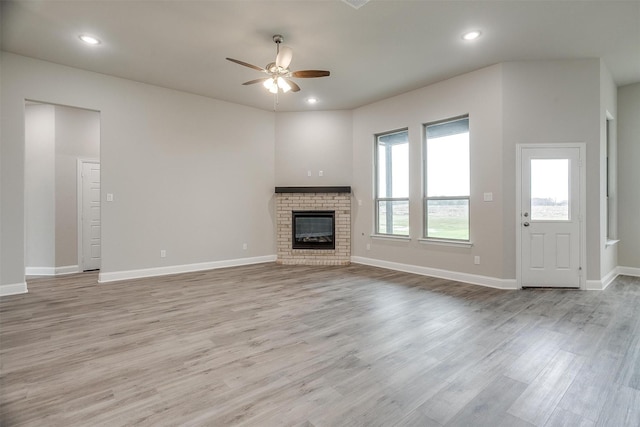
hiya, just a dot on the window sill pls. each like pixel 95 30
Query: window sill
pixel 446 242
pixel 390 237
pixel 611 242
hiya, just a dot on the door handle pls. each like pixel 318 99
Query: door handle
pixel 526 224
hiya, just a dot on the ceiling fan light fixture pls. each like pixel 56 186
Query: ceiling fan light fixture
pixel 269 84
pixel 282 84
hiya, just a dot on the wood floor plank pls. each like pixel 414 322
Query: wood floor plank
pixel 540 399
pixel 270 345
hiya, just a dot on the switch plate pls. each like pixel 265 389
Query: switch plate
pixel 163 253
pixel 109 197
pixel 244 246
pixel 321 173
pixel 368 246
pixel 308 173
pixel 488 197
pixel 476 260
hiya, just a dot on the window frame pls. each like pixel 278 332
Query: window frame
pixel 426 198
pixel 377 199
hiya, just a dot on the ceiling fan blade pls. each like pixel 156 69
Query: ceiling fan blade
pixel 305 74
pixel 294 86
pixel 251 82
pixel 284 57
pixel 255 67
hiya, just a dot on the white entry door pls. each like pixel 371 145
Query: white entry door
pixel 550 217
pixel 91 216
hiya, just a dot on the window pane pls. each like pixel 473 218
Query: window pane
pixel 448 159
pixel 392 162
pixel 400 168
pixel 382 171
pixel 448 219
pixel 393 217
pixel 550 189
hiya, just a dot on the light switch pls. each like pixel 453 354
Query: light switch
pixel 321 173
pixel 488 197
pixel 109 197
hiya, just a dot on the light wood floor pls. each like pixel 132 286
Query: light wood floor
pixel 271 345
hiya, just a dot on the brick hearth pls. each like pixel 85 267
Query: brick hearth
pixel 290 199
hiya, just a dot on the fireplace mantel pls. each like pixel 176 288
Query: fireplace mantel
pixel 343 189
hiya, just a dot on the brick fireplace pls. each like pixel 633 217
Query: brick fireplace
pixel 312 200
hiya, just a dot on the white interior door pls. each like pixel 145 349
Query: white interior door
pixel 550 217
pixel 91 216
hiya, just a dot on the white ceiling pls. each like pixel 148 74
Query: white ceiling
pixel 382 49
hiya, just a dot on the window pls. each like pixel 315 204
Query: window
pixel 447 183
pixel 392 183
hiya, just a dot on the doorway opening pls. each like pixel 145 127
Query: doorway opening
pixel 58 139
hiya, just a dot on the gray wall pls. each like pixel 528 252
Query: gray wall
pixel 478 94
pixel 629 175
pixel 608 105
pixel 40 149
pixel 553 102
pixel 509 104
pixel 55 137
pixel 195 176
pixel 77 136
pixel 313 141
pixel 189 174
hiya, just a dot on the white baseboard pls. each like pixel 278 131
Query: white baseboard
pixel 629 271
pixel 175 269
pixel 602 284
pixel 609 277
pixel 13 289
pixel 473 279
pixel 40 271
pixel 51 271
pixel 594 285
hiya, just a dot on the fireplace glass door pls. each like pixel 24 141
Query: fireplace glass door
pixel 313 230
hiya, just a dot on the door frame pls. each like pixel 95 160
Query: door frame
pixel 582 148
pixel 79 199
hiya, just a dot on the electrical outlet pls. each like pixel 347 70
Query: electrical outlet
pixel 244 246
pixel 109 197
pixel 321 173
pixel 308 173
pixel 368 246
pixel 163 253
pixel 476 260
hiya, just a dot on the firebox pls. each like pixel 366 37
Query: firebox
pixel 313 230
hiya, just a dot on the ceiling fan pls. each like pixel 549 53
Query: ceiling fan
pixel 279 74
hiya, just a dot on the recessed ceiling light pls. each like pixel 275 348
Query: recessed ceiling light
pixel 89 39
pixel 312 100
pixel 471 35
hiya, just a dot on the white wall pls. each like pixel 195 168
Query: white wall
pixel 39 124
pixel 55 137
pixel 313 141
pixel 552 102
pixel 629 176
pixel 77 136
pixel 478 94
pixel 509 104
pixel 608 106
pixel 190 174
